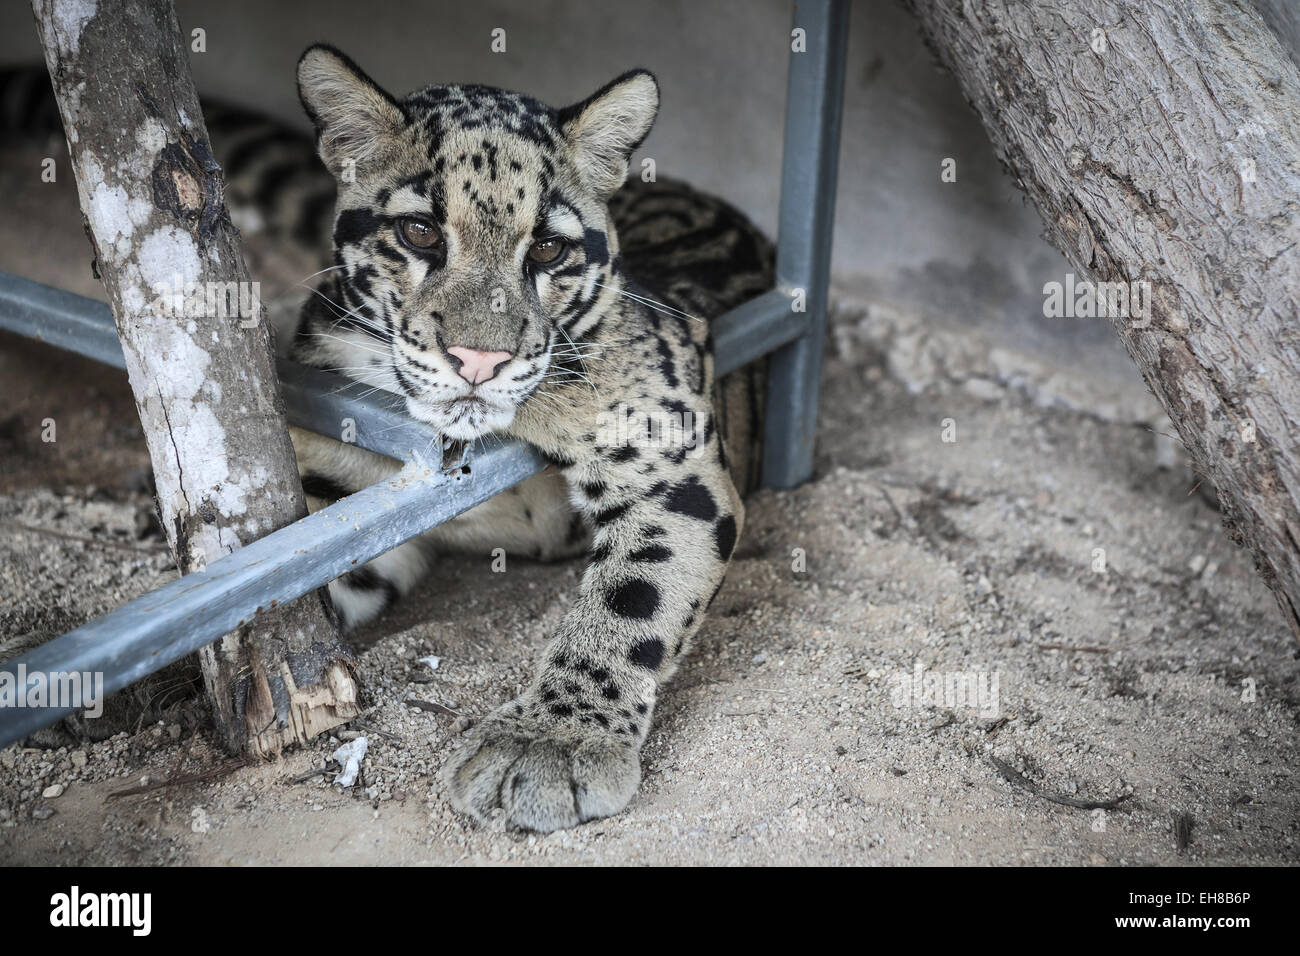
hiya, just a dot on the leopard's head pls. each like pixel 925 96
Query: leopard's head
pixel 472 237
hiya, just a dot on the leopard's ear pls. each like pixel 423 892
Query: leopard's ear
pixel 354 116
pixel 604 129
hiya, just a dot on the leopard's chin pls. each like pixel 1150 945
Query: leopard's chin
pixel 463 419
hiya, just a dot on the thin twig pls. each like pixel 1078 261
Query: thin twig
pixel 84 539
pixel 1082 649
pixel 304 777
pixel 202 776
pixel 430 706
pixel 997 725
pixel 1018 779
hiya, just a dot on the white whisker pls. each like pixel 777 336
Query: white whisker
pixel 651 303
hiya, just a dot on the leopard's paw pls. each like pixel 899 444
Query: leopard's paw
pixel 545 775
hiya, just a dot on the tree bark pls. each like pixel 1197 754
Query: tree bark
pixel 1160 141
pixel 204 378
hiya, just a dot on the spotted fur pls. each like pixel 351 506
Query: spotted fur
pixel 618 324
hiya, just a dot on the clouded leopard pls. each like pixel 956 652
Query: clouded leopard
pixel 492 267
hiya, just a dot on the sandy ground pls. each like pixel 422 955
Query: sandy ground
pixel 1161 683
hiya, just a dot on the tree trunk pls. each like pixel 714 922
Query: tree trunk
pixel 1160 141
pixel 198 352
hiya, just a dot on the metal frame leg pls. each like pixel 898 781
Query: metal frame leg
pixel 814 102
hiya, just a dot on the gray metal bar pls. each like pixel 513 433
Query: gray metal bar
pixel 65 319
pixel 814 102
pixel 752 330
pixel 321 402
pixel 181 617
pixel 315 400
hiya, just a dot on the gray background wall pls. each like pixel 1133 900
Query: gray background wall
pixel 967 252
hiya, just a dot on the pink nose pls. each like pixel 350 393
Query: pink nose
pixel 476 366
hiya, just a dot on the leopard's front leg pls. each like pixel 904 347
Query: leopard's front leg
pixel 567 750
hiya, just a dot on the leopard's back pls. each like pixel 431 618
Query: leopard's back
pixel 700 255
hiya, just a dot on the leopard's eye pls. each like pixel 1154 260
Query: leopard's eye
pixel 418 234
pixel 546 251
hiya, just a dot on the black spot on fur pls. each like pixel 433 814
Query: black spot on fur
pixel 612 514
pixel 648 654
pixel 653 553
pixel 354 225
pixel 318 486
pixel 594 246
pixel 558 459
pixel 372 582
pixel 666 367
pixel 360 279
pixel 725 533
pixel 562 710
pixel 691 498
pixel 637 598
pixel 577 527
pixel 610 692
